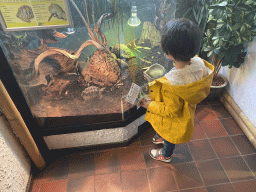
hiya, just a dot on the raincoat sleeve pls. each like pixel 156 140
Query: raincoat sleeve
pixel 171 106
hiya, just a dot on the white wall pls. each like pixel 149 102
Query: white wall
pixel 14 164
pixel 242 83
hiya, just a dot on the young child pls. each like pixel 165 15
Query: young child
pixel 173 98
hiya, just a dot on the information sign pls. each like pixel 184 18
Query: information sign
pixel 34 14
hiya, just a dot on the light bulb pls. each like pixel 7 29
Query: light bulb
pixel 70 30
pixel 134 20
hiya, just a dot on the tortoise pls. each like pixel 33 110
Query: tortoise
pixel 92 92
pixel 57 11
pixel 25 13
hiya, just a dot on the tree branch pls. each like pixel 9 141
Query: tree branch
pixel 85 22
pixel 63 52
pixel 98 30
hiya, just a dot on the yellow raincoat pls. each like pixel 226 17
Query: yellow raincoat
pixel 172 108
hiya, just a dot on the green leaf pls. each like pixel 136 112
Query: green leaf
pixel 229 9
pixel 209 54
pixel 187 12
pixel 220 13
pixel 220 43
pixel 215 38
pixel 244 39
pixel 209 48
pixel 229 27
pixel 201 16
pixel 214 11
pixel 208 33
pixel 239 40
pixel 242 29
pixel 247 25
pixel 236 26
pixel 195 15
pixel 231 43
pixel 215 42
pixel 18 36
pixel 224 3
pixel 219 25
pixel 249 2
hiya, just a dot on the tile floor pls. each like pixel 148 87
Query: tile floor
pixel 219 158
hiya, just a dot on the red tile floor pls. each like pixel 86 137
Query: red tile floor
pixel 219 158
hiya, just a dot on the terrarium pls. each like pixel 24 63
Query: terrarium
pixel 77 61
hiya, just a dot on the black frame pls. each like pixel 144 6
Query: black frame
pixel 18 99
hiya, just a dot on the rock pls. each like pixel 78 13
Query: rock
pixel 103 69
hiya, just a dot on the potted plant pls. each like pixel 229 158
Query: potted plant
pixel 231 23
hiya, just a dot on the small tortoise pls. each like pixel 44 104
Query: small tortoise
pixel 25 13
pixel 92 92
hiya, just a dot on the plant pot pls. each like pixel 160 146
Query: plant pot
pixel 217 91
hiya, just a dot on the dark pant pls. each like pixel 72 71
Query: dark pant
pixel 168 148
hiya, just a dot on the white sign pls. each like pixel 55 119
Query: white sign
pixel 133 94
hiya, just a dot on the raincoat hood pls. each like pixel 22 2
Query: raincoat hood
pixel 197 90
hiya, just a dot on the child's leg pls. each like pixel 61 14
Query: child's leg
pixel 168 149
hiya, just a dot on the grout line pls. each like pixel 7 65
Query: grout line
pixel 242 156
pixel 94 181
pixel 120 180
pixel 230 157
pixel 220 163
pixel 240 153
pixel 175 181
pixel 214 137
pixel 148 180
pixel 196 164
pixel 215 113
pixel 216 153
pixel 146 170
pixel 244 180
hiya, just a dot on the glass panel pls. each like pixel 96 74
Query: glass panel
pixel 88 68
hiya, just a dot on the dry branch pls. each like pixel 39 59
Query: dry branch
pixel 60 51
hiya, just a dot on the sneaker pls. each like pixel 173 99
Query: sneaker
pixel 157 154
pixel 158 140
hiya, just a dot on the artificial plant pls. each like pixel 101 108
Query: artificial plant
pixel 231 23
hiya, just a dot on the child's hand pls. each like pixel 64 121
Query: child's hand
pixel 145 102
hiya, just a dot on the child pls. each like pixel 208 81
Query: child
pixel 173 98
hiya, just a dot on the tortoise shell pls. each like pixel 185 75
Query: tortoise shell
pixel 92 92
pixel 25 13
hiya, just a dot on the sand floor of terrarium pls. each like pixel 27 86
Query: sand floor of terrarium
pixel 72 104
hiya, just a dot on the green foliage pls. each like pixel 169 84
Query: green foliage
pixel 199 10
pixel 94 9
pixel 17 43
pixel 231 23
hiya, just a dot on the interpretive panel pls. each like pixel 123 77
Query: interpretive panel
pixel 34 14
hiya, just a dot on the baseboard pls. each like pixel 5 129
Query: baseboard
pixel 244 123
pixel 30 182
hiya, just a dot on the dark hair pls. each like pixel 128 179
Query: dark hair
pixel 181 39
